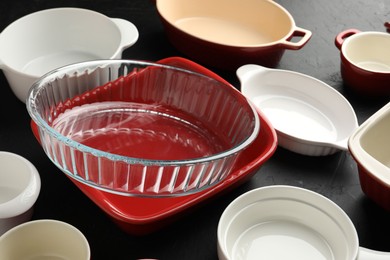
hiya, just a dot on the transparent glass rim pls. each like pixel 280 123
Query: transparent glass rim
pixel 92 65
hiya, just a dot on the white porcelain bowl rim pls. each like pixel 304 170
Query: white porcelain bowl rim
pixel 272 194
pixel 26 199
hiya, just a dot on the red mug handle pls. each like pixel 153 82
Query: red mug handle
pixel 343 35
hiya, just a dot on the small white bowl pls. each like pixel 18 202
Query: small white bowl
pixel 44 239
pixel 20 185
pixel 42 41
pixel 285 222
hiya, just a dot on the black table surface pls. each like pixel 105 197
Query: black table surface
pixel 193 236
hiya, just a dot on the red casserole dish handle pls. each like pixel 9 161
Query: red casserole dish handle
pixel 298 32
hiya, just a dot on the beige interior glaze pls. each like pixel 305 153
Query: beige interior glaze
pixel 376 139
pixel 369 50
pixel 369 144
pixel 44 239
pixel 229 22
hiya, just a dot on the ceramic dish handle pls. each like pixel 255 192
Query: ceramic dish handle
pixel 298 32
pixel 344 35
pixel 341 144
pixel 129 32
pixel 368 254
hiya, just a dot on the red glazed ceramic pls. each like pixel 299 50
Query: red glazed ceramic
pixel 365 61
pixel 141 129
pixel 369 146
pixel 229 33
pixel 143 215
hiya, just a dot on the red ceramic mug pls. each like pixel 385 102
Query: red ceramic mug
pixel 365 61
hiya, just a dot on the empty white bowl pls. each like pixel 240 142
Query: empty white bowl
pixel 44 239
pixel 20 185
pixel 42 41
pixel 309 116
pixel 285 222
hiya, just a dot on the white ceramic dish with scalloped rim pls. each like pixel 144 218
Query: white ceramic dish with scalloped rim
pixel 309 116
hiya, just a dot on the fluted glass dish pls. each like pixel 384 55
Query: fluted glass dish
pixel 141 129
